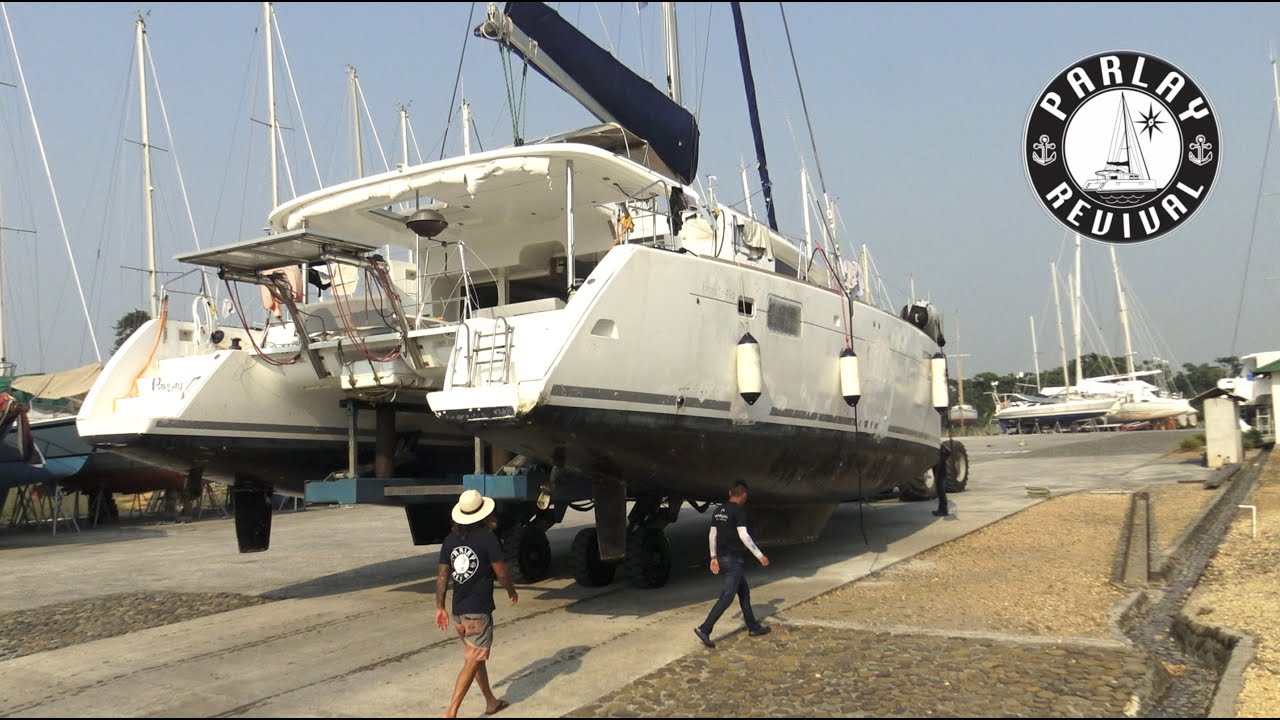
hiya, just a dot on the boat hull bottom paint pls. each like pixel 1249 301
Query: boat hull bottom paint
pixel 698 458
pixel 285 465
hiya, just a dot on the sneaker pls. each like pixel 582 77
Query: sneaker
pixel 703 637
pixel 761 630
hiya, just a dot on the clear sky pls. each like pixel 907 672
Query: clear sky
pixel 918 112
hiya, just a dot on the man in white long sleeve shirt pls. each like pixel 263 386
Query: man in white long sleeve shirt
pixel 729 542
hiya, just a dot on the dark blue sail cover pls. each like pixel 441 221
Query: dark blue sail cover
pixel 625 98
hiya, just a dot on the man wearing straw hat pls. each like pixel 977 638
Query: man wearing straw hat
pixel 472 555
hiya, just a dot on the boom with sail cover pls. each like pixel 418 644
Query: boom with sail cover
pixel 604 86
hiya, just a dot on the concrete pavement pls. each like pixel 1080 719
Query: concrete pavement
pixel 354 635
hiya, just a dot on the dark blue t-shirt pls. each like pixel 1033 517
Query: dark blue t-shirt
pixel 470 560
pixel 726 520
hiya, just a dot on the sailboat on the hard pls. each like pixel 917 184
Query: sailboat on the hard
pixel 630 336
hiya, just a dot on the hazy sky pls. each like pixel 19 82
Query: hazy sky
pixel 918 112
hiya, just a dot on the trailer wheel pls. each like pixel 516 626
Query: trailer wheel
pixel 588 569
pixel 527 552
pixel 956 463
pixel 648 558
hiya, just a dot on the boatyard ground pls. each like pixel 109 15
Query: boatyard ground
pixel 1006 607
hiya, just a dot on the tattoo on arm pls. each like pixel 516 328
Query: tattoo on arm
pixel 442 585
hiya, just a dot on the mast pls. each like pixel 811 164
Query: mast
pixel 672 33
pixel 866 275
pixel 466 128
pixel 1124 315
pixel 808 231
pixel 355 119
pixel 404 136
pixel 1075 313
pixel 959 363
pixel 746 192
pixel 749 82
pixel 1035 352
pixel 271 106
pixel 147 207
pixel 1062 340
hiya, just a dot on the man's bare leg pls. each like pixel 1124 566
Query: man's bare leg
pixel 460 687
pixel 482 679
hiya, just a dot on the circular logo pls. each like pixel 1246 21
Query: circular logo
pixel 1122 147
pixel 464 563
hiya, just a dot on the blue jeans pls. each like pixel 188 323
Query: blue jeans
pixel 733 582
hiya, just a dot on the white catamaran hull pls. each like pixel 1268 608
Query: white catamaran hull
pixel 233 413
pixel 635 380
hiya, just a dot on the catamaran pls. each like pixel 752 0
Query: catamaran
pixel 578 302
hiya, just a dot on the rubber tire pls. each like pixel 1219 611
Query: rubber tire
pixel 528 553
pixel 957 466
pixel 648 562
pixel 588 569
pixel 924 487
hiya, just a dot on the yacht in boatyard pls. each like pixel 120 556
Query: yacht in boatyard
pixel 577 302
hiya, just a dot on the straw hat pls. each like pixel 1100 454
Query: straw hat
pixel 472 507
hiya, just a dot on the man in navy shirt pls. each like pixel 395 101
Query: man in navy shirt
pixel 473 557
pixel 729 543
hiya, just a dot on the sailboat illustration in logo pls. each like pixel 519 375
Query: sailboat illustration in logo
pixel 1124 180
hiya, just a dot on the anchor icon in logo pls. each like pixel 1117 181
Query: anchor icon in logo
pixel 1044 151
pixel 1201 151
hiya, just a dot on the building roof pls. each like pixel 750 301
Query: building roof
pixel 1273 366
pixel 1217 392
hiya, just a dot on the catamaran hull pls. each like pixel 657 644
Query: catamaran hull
pixel 284 464
pixel 635 380
pixel 697 457
pixel 65 458
pixel 235 416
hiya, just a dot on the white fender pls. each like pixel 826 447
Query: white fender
pixel 750 381
pixel 938 373
pixel 850 379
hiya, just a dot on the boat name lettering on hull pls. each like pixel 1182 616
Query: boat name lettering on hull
pixel 162 385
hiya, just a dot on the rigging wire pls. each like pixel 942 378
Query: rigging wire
pixel 173 148
pixel 102 253
pixel 373 127
pixel 457 80
pixel 52 190
pixel 1253 226
pixel 235 132
pixel 302 120
pixel 706 46
pixel 803 103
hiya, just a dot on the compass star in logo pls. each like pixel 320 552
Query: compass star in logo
pixel 1151 121
pixel 1138 147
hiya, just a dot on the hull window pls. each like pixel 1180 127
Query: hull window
pixel 784 316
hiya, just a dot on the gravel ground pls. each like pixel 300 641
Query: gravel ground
pixel 1176 506
pixel 1012 576
pixel 26 632
pixel 1241 590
